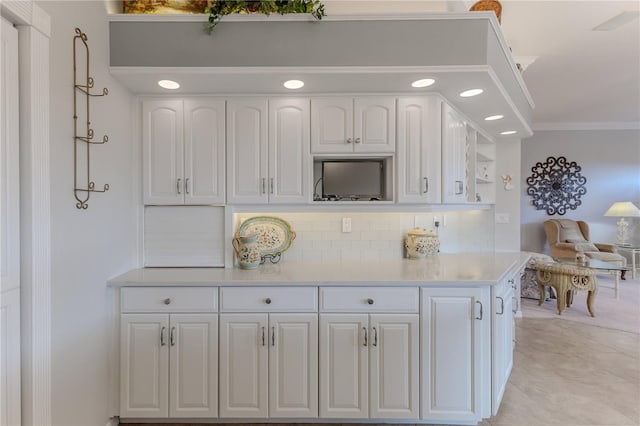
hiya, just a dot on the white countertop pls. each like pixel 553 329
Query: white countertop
pixel 443 268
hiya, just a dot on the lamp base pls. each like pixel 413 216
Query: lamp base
pixel 622 236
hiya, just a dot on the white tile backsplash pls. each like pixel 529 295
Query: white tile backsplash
pixel 379 235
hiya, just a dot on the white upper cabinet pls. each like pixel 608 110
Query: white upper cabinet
pixel 183 151
pixel 454 156
pixel 419 150
pixel 348 125
pixel 268 151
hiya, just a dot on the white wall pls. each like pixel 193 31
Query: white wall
pixel 507 235
pixel 88 246
pixel 610 160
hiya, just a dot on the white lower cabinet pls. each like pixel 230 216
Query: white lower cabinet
pixel 168 365
pixel 269 365
pixel 455 324
pixel 502 341
pixel 269 352
pixel 368 362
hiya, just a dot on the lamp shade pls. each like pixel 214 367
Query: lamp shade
pixel 623 209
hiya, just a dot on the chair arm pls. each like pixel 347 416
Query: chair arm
pixel 609 248
pixel 564 250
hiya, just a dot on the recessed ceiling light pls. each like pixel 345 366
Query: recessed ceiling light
pixel 293 84
pixel 425 82
pixel 471 92
pixel 509 132
pixel 493 117
pixel 169 84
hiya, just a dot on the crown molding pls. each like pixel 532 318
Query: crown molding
pixel 595 125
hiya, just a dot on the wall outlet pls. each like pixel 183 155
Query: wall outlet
pixel 346 224
pixel 502 218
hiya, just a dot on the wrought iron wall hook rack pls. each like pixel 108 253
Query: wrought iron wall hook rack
pixel 82 92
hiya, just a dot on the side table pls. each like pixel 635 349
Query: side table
pixel 565 279
pixel 635 251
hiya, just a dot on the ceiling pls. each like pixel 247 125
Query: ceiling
pixel 580 78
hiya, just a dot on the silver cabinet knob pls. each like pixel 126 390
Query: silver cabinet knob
pixel 370 301
pixel 167 301
pixel 267 300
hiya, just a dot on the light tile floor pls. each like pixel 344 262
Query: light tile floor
pixel 571 374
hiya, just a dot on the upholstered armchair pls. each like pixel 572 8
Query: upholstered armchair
pixel 568 237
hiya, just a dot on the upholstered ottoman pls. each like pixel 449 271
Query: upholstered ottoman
pixel 564 279
pixel 528 283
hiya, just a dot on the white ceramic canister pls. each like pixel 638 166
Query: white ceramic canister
pixel 247 251
pixel 421 243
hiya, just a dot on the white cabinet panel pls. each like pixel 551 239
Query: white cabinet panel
pixel 374 124
pixel 144 364
pixel 204 151
pixel 293 365
pixel 347 125
pixel 10 357
pixel 163 151
pixel 502 342
pixel 244 365
pixel 394 361
pixel 452 353
pixel 193 339
pixel 247 162
pixel 183 151
pixel 454 156
pixel 268 299
pixel 344 366
pixel 419 150
pixel 289 157
pixel 332 125
pixel 369 299
pixel 168 299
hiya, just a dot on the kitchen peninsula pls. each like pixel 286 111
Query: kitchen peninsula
pixel 428 340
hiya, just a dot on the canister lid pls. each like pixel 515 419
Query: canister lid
pixel 419 232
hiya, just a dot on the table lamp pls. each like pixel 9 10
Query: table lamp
pixel 623 209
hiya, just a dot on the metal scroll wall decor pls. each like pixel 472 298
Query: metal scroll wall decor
pixel 556 185
pixel 82 141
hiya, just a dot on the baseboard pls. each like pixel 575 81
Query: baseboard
pixel 113 421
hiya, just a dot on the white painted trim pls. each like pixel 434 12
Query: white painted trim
pixel 595 125
pixel 512 105
pixel 36 220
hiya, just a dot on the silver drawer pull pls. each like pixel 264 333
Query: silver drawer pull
pixel 178 186
pixel 273 336
pixel 172 337
pixel 375 337
pixel 365 336
pixel 480 303
pixel 162 330
pixel 357 140
pixel 370 301
pixel 262 336
pixel 501 305
pixel 167 301
pixel 426 185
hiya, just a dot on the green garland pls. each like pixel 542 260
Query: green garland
pixel 226 7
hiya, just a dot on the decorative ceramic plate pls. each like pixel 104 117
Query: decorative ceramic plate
pixel 274 234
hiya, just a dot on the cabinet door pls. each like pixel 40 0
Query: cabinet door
pixel 454 156
pixel 344 346
pixel 193 369
pixel 204 149
pixel 502 341
pixel 289 156
pixel 293 365
pixel 243 365
pixel 162 151
pixel 374 128
pixel 419 150
pixel 247 151
pixel 393 355
pixel 331 125
pixel 452 353
pixel 144 365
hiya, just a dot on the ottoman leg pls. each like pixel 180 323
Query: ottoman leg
pixel 590 298
pixel 541 291
pixel 562 300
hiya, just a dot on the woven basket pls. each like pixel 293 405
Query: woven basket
pixel 492 5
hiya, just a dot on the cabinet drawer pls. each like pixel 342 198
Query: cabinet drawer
pixel 369 299
pixel 269 299
pixel 169 299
